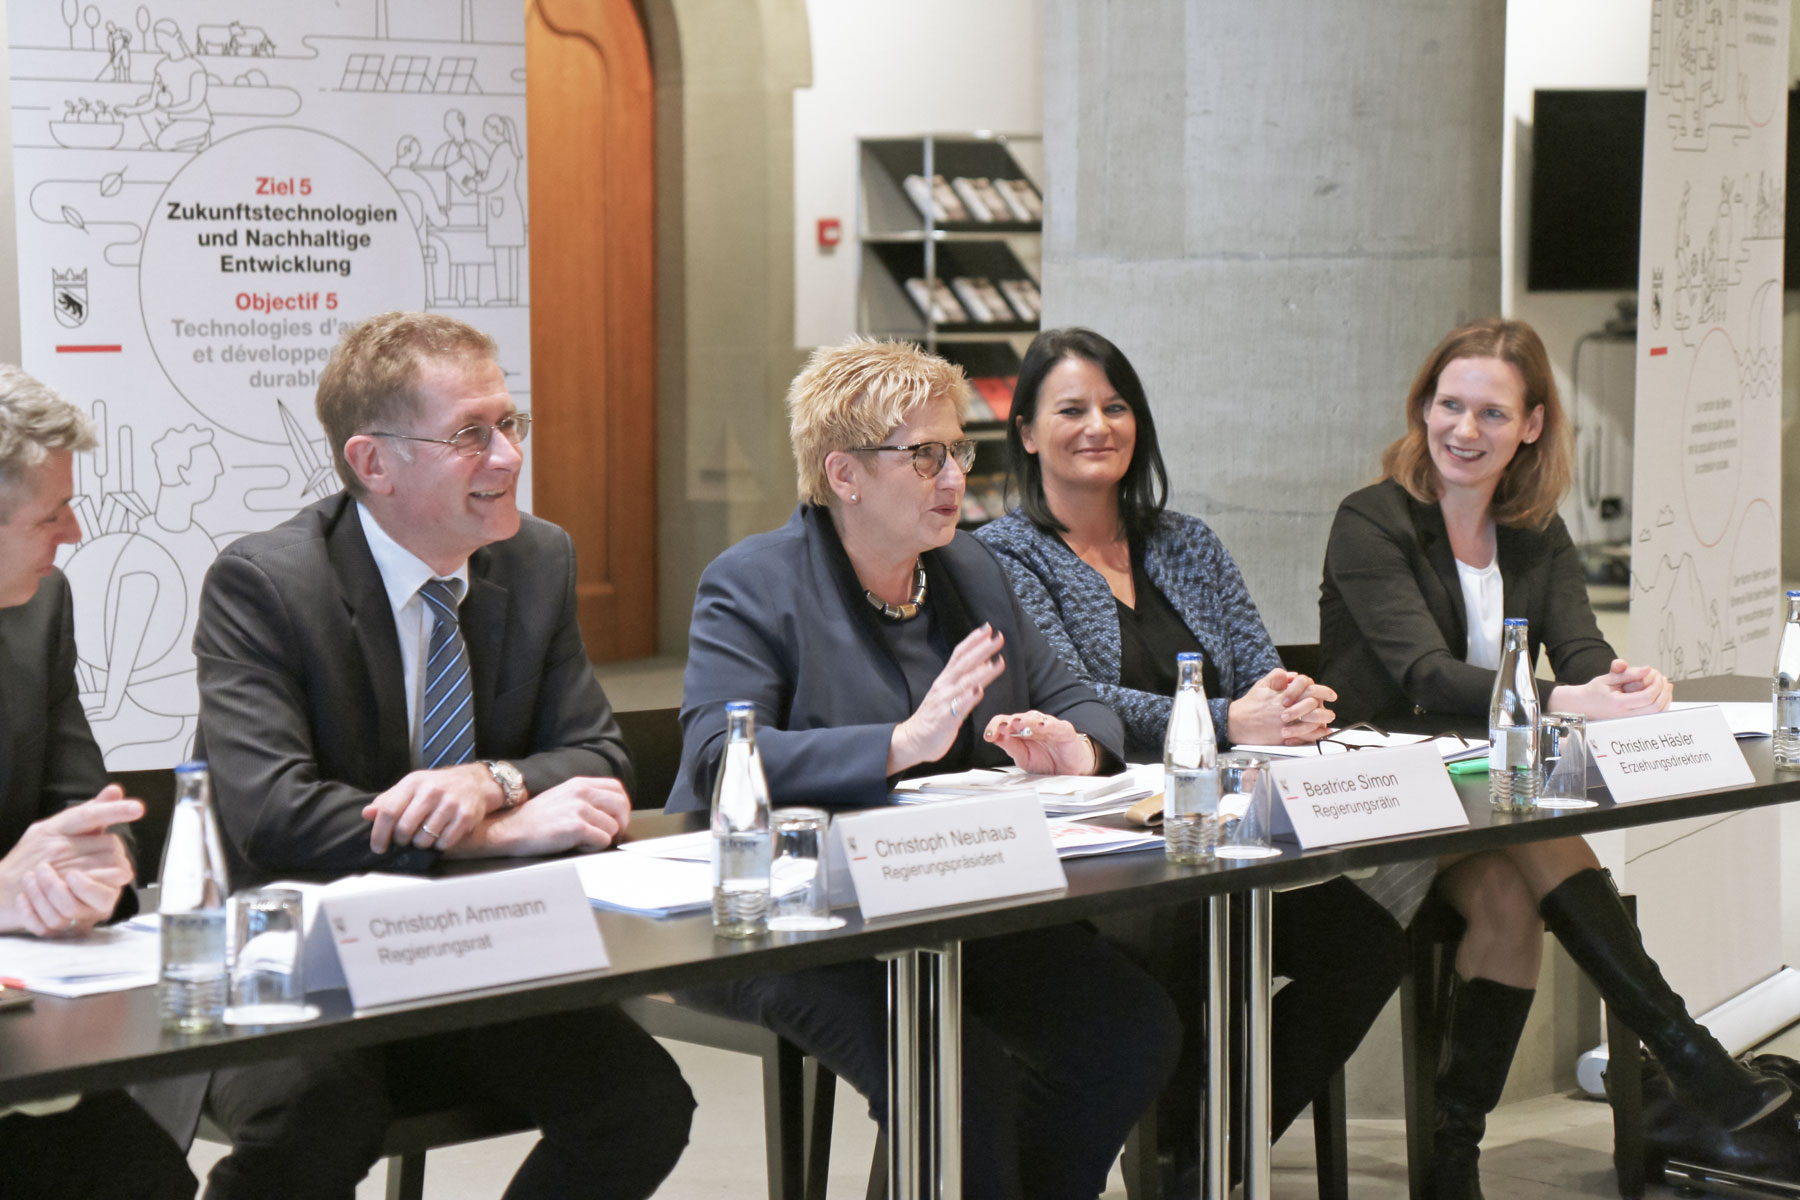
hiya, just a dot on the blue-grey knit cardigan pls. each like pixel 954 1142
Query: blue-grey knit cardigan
pixel 1072 604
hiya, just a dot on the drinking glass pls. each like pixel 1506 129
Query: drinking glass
pixel 799 876
pixel 1246 807
pixel 1563 757
pixel 266 952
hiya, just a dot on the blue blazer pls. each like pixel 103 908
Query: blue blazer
pixel 1074 607
pixel 780 621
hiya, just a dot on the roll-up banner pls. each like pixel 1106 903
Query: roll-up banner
pixel 207 194
pixel 1706 490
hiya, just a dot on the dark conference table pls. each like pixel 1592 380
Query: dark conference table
pixel 115 1039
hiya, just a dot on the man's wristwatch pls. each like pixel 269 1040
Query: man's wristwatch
pixel 512 784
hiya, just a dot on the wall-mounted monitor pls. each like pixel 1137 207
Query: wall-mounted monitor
pixel 1587 187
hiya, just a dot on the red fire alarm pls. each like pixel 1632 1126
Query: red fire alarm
pixel 831 232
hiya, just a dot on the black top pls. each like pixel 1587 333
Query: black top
pixel 920 650
pixel 1150 636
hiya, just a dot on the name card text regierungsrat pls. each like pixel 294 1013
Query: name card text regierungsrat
pixel 453 935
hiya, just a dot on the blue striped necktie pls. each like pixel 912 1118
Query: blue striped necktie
pixel 447 726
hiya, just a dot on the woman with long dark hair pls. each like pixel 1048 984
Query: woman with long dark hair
pixel 1119 585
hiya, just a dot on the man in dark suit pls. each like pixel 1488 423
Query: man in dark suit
pixel 393 675
pixel 67 867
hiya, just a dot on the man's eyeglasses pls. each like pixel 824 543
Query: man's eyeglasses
pixel 928 457
pixel 473 440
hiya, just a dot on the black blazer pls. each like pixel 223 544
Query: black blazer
pixel 50 758
pixel 303 711
pixel 780 621
pixel 1392 630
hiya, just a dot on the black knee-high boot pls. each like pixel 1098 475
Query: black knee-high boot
pixel 1587 917
pixel 1486 1019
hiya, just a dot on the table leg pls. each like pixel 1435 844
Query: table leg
pixel 1256 1051
pixel 903 1080
pixel 925 1074
pixel 1215 1108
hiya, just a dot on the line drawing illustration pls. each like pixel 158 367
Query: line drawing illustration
pixel 147 135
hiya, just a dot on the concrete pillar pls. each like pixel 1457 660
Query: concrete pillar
pixel 726 71
pixel 1275 209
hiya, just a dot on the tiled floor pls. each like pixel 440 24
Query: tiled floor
pixel 1549 1148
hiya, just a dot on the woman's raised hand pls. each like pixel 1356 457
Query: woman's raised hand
pixel 1282 708
pixel 928 734
pixel 1624 691
pixel 1043 744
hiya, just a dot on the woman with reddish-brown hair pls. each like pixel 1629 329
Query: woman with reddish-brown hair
pixel 1421 569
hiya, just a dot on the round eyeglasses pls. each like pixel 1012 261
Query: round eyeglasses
pixel 473 440
pixel 928 458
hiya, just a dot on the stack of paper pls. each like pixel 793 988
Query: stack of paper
pixel 110 959
pixel 646 884
pixel 1747 718
pixel 1076 839
pixel 1060 795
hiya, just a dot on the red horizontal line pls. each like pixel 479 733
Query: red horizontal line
pixel 1656 350
pixel 89 349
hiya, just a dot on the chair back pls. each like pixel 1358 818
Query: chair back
pixel 157 790
pixel 653 735
pixel 1300 656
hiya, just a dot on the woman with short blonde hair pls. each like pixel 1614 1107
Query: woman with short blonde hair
pixel 876 641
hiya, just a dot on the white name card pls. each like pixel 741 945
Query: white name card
pixel 453 935
pixel 1667 754
pixel 1370 794
pixel 914 857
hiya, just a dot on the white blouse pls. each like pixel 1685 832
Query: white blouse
pixel 1484 610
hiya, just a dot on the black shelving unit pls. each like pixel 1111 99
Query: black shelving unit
pixel 907 237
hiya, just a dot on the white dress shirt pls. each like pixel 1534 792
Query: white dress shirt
pixel 403 573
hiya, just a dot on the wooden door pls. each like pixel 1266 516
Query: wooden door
pixel 593 335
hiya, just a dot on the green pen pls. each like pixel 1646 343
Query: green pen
pixel 1468 766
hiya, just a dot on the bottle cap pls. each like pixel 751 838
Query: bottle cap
pixel 1520 622
pixel 739 706
pixel 1189 656
pixel 1791 595
pixel 196 764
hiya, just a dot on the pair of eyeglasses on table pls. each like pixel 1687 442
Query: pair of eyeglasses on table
pixel 1389 741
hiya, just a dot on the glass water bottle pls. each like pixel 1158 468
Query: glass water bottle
pixel 740 830
pixel 1785 688
pixel 193 888
pixel 1513 725
pixel 1190 769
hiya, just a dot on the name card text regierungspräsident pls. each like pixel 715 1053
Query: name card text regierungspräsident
pixel 912 858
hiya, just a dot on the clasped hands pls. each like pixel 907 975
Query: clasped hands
pixel 460 812
pixel 1036 741
pixel 1283 708
pixel 64 876
pixel 1624 691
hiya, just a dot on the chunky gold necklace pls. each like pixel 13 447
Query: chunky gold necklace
pixel 901 612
